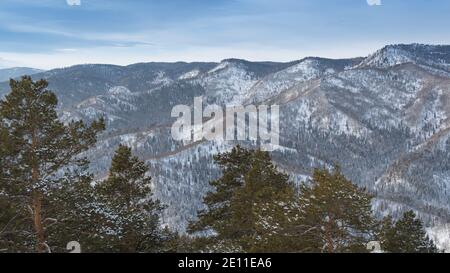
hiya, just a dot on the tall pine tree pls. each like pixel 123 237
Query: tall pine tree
pixel 407 235
pixel 132 215
pixel 215 219
pixel 235 216
pixel 335 215
pixel 38 152
pixel 261 208
pixel 386 234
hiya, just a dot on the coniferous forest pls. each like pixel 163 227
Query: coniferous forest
pixel 49 197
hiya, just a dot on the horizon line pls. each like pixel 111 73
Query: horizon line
pixel 221 61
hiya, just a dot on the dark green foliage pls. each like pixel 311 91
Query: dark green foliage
pixel 259 206
pixel 234 166
pixel 235 216
pixel 176 243
pixel 38 153
pixel 407 235
pixel 132 223
pixel 80 212
pixel 386 234
pixel 335 215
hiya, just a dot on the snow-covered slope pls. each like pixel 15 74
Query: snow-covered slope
pixel 228 82
pixel 306 70
pixel 435 58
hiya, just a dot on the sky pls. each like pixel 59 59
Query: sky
pixel 58 33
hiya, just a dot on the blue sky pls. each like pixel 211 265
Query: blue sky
pixel 57 33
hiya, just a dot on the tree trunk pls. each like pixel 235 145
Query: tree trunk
pixel 37 199
pixel 328 237
pixel 37 220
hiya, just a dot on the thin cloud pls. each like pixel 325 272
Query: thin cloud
pixel 374 2
pixel 5 63
pixel 67 50
pixel 73 2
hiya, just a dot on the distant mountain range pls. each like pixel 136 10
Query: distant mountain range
pixel 385 119
pixel 7 73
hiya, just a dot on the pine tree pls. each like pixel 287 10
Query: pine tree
pixel 11 219
pixel 407 235
pixel 38 152
pixel 335 215
pixel 259 207
pixel 386 234
pixel 132 216
pixel 238 213
pixel 80 210
pixel 216 218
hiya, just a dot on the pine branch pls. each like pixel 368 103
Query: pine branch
pixel 9 222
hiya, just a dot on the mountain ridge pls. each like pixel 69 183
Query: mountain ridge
pixel 14 72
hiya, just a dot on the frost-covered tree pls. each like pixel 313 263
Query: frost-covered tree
pixel 132 216
pixel 259 207
pixel 386 233
pixel 335 215
pixel 37 152
pixel 216 217
pixel 248 206
pixel 80 212
pixel 407 235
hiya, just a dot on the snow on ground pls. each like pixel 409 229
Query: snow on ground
pixel 441 236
